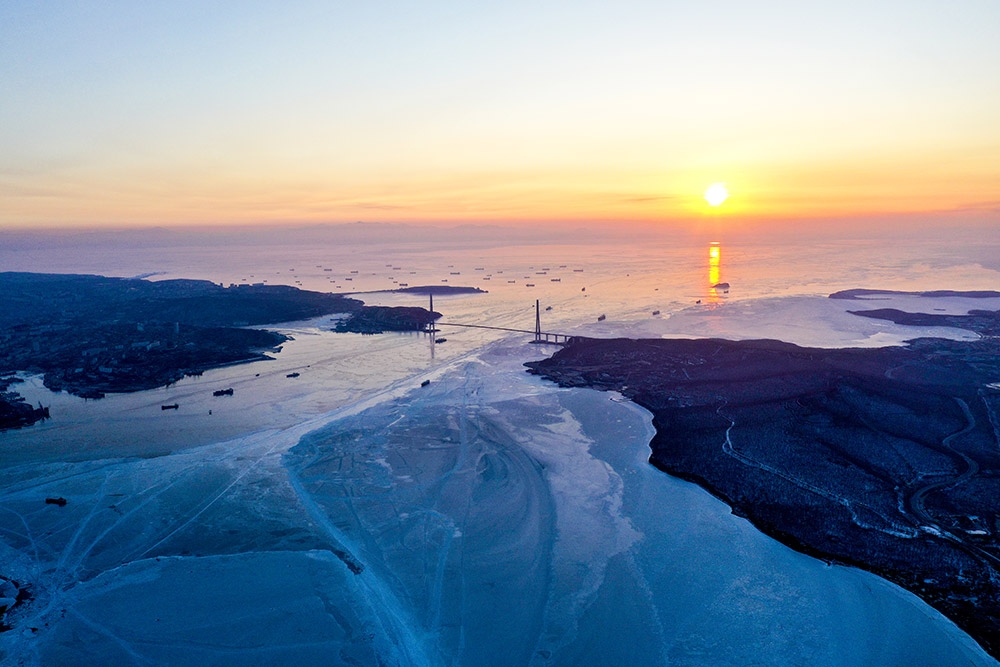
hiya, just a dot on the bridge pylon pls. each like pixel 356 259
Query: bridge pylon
pixel 430 328
pixel 538 322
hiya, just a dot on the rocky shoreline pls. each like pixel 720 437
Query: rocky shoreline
pixel 14 411
pixel 90 335
pixel 886 459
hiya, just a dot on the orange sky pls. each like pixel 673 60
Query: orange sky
pixel 134 115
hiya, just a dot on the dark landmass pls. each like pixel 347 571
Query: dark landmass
pixel 14 411
pixel 379 319
pixel 985 322
pixel 861 293
pixel 887 459
pixel 91 334
pixel 443 290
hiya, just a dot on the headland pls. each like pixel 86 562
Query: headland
pixel 90 335
pixel 887 459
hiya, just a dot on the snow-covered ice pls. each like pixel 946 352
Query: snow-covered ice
pixel 488 518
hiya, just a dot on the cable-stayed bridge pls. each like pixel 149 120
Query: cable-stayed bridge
pixel 541 337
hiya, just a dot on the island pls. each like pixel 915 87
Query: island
pixel 868 294
pixel 379 319
pixel 886 459
pixel 89 335
pixel 442 290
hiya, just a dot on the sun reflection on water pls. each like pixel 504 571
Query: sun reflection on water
pixel 714 260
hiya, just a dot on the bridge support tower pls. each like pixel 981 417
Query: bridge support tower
pixel 538 322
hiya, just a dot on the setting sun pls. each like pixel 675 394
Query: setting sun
pixel 716 193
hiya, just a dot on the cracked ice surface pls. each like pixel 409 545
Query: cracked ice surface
pixel 488 518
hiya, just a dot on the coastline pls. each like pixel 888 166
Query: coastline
pixel 693 571
pixel 825 500
pixel 604 522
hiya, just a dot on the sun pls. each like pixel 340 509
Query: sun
pixel 716 193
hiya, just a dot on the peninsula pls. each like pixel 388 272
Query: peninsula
pixel 91 334
pixel 887 459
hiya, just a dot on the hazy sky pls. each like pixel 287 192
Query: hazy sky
pixel 199 112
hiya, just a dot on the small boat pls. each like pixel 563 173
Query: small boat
pixel 602 318
pixel 441 340
pixel 292 375
pixel 169 407
pixel 720 286
pixel 223 392
pixel 425 383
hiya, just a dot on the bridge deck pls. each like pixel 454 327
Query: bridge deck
pixel 540 336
